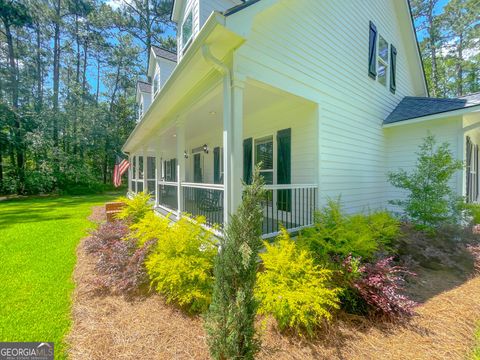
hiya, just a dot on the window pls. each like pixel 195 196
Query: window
pixel 264 155
pixel 187 28
pixel 156 82
pixel 382 61
pixel 140 109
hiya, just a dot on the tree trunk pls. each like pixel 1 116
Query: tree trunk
pixel 459 67
pixel 98 81
pixel 56 71
pixel 39 69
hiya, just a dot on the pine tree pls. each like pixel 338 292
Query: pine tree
pixel 230 322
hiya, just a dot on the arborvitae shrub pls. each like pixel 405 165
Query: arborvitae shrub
pixel 230 322
pixel 180 266
pixel 135 208
pixel 336 235
pixel 293 289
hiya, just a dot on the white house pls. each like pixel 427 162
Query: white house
pixel 329 95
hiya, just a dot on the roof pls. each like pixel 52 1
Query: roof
pixel 414 107
pixel 237 8
pixel 165 54
pixel 144 86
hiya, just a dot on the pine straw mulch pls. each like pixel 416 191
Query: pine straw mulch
pixel 107 327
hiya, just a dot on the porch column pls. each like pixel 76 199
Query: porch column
pixel 236 157
pixel 180 131
pixel 158 173
pixel 137 172
pixel 130 173
pixel 145 168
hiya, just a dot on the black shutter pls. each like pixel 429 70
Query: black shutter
pixel 216 165
pixel 393 69
pixel 372 52
pixel 284 168
pixel 247 160
pixel 475 194
pixel 173 169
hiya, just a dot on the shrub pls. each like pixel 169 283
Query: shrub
pixel 473 210
pixel 293 289
pixel 150 227
pixel 120 261
pixel 230 320
pixel 104 235
pixel 181 264
pixel 380 284
pixel 474 250
pixel 135 208
pixel 430 201
pixel 335 234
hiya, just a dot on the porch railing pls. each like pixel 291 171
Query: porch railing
pixel 291 206
pixel 204 200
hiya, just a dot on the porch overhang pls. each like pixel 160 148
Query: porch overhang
pixel 188 74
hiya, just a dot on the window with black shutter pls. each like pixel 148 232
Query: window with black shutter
pixel 372 51
pixel 393 69
pixel 247 160
pixel 216 166
pixel 284 168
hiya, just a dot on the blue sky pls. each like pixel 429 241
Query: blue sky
pixel 438 10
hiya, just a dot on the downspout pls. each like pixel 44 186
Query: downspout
pixel 227 128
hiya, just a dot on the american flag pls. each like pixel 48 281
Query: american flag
pixel 121 165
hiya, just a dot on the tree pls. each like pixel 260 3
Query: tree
pixel 430 200
pixel 230 320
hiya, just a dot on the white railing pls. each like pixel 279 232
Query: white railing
pixel 291 206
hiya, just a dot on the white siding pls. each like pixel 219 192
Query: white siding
pixel 319 49
pixel 166 69
pixel 403 142
pixel 208 6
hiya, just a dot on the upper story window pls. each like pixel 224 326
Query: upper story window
pixel 187 30
pixel 156 82
pixel 140 109
pixel 382 60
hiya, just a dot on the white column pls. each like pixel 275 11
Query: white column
pixel 145 167
pixel 137 172
pixel 158 173
pixel 130 173
pixel 227 148
pixel 180 132
pixel 236 157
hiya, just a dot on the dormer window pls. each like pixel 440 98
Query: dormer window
pixel 187 31
pixel 156 82
pixel 140 110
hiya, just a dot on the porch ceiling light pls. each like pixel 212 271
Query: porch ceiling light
pixel 205 148
pixel 185 154
pixel 213 112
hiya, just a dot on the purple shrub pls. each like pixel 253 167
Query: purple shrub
pixel 106 234
pixel 380 284
pixel 120 262
pixel 475 251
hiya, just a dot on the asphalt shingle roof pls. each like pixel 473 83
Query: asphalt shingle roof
pixel 413 107
pixel 166 54
pixel 144 87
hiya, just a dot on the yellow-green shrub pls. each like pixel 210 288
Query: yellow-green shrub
pixel 335 234
pixel 135 208
pixel 181 265
pixel 150 227
pixel 293 289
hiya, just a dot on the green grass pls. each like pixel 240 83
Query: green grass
pixel 476 350
pixel 38 238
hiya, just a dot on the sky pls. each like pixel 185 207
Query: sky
pixel 420 34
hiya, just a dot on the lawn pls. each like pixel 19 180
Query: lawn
pixel 38 237
pixel 476 350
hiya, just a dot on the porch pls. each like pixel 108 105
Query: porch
pixel 183 164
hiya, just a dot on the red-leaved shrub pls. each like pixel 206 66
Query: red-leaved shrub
pixel 120 263
pixel 380 285
pixel 475 251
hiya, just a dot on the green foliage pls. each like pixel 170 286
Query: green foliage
pixel 135 208
pixel 430 201
pixel 230 322
pixel 476 350
pixel 150 227
pixel 180 267
pixel 335 234
pixel 293 289
pixel 473 210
